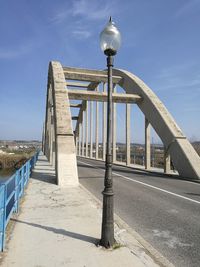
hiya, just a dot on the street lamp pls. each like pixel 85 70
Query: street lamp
pixel 110 41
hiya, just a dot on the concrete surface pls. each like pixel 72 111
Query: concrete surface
pixel 59 146
pixel 61 227
pixel 164 210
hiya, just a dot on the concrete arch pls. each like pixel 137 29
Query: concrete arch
pixel 184 157
pixel 59 145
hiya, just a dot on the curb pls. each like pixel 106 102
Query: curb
pixel 149 249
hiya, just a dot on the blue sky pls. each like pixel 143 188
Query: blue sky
pixel 160 44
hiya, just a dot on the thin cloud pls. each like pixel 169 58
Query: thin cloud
pixel 81 34
pixel 86 9
pixel 189 6
pixel 15 52
pixel 178 77
pixel 92 10
pixel 78 18
pixel 60 16
pixel 181 84
pixel 174 70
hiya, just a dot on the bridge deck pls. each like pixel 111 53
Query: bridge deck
pixel 163 209
pixel 60 227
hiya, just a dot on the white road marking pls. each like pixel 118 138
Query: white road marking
pixel 183 181
pixel 148 185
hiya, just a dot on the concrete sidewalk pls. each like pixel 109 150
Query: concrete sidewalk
pixel 61 227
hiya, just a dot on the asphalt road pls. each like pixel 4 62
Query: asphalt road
pixel 163 210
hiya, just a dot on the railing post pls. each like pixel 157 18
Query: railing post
pixel 114 128
pixel 83 142
pixel 26 174
pixel 29 171
pixel 86 129
pixel 97 129
pixel 2 215
pixel 91 129
pixel 34 160
pixel 22 179
pixel 17 191
pixel 167 162
pixel 31 163
pixel 128 136
pixel 147 145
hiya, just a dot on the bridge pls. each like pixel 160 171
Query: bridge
pixel 59 212
pixel 61 143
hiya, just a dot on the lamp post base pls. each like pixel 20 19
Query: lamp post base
pixel 107 234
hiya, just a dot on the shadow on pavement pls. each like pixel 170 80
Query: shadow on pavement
pixel 44 177
pixel 63 232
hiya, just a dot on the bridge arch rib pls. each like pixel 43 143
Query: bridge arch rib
pixel 59 145
pixel 184 157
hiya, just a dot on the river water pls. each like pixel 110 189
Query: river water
pixel 5 175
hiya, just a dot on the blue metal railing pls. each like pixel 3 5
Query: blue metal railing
pixel 10 193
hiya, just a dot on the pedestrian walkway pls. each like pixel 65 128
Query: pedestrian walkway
pixel 62 226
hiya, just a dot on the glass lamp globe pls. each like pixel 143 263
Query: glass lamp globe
pixel 110 39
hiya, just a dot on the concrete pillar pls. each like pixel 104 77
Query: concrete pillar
pixel 147 145
pixel 51 158
pixel 53 145
pixel 83 131
pixel 167 162
pixel 86 129
pixel 91 128
pixel 43 137
pixel 76 137
pixel 65 156
pixel 49 132
pixel 46 137
pixel 128 136
pixel 104 125
pixel 97 129
pixel 77 143
pixel 79 139
pixel 114 128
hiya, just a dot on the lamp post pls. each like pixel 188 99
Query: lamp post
pixel 110 41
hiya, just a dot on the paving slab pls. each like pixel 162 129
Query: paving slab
pixel 62 226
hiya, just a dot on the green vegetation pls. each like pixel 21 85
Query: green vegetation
pixel 11 160
pixel 117 245
pixel 14 153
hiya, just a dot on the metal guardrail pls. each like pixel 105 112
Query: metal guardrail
pixel 10 193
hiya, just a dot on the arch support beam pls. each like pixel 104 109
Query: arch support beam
pixel 184 157
pixel 65 153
